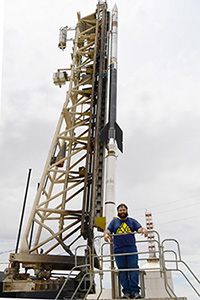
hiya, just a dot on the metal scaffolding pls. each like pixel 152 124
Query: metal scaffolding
pixel 70 192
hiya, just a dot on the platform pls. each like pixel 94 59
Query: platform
pixel 177 298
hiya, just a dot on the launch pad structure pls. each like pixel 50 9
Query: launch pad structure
pixel 70 193
pixel 68 207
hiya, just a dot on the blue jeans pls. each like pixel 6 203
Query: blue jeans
pixel 129 279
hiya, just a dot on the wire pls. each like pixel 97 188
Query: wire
pixel 177 220
pixel 166 203
pixel 176 200
pixel 7 251
pixel 161 212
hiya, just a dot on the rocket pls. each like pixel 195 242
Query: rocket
pixel 112 133
pixel 112 129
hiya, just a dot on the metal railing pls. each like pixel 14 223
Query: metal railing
pixel 90 271
pixel 178 260
pixel 107 258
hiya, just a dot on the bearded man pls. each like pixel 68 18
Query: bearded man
pixel 126 244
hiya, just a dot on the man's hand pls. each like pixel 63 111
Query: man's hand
pixel 143 231
pixel 107 235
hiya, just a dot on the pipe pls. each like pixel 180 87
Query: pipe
pixel 23 210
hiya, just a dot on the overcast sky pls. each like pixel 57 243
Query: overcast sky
pixel 158 110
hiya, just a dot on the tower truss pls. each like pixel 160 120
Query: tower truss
pixel 70 192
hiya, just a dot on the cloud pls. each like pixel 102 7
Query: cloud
pixel 158 108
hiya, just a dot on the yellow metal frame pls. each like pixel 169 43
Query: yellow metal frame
pixel 61 186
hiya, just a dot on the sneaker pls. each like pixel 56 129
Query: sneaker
pixel 126 296
pixel 136 295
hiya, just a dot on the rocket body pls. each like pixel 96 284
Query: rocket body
pixel 110 182
pixel 113 73
pixel 112 129
pixel 112 133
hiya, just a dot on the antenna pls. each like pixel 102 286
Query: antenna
pixel 151 237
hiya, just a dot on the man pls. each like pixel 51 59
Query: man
pixel 126 244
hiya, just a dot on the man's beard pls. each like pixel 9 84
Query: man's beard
pixel 122 215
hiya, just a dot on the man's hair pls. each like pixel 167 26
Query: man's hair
pixel 122 204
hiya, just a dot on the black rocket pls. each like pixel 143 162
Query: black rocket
pixel 112 129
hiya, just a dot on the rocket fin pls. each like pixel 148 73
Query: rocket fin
pixel 104 133
pixel 119 137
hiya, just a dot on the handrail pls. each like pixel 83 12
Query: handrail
pixel 64 283
pixel 173 240
pixel 74 268
pixel 161 258
pixel 162 268
pixel 105 258
pixel 179 260
pixel 187 280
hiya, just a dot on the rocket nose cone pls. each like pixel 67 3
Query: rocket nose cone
pixel 115 8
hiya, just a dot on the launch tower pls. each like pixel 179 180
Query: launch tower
pixel 70 193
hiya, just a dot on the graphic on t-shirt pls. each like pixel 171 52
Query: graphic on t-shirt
pixel 123 228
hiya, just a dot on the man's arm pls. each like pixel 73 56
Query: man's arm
pixel 107 235
pixel 143 231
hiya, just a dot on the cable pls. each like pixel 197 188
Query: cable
pixel 150 207
pixel 177 220
pixel 176 201
pixel 7 251
pixel 161 212
pixel 166 211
